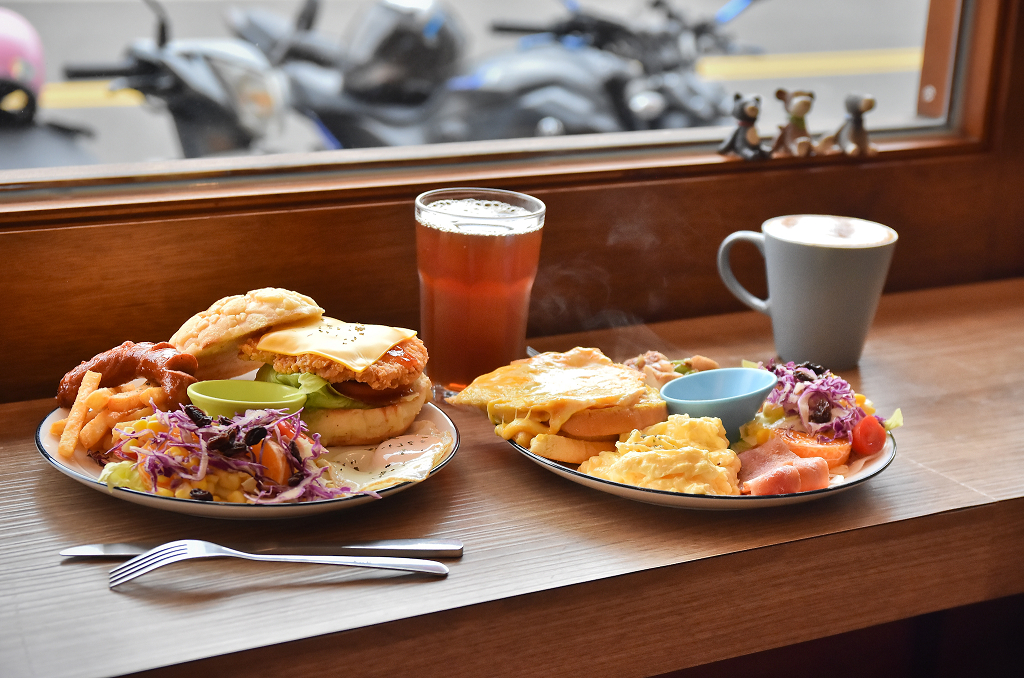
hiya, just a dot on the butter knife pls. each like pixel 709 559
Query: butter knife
pixel 411 547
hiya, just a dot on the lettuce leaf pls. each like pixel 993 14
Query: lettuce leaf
pixel 896 420
pixel 679 366
pixel 319 393
pixel 123 474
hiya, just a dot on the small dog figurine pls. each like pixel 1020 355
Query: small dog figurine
pixel 793 139
pixel 851 138
pixel 744 140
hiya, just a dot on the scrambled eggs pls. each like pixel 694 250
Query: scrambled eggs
pixel 683 454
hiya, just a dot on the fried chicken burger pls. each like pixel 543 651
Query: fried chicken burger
pixel 364 383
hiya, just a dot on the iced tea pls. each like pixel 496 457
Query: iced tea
pixel 477 253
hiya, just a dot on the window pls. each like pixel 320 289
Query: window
pixel 829 46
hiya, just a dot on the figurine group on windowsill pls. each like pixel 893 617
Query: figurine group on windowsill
pixel 794 140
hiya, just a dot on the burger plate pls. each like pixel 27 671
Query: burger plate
pixel 872 467
pixel 83 469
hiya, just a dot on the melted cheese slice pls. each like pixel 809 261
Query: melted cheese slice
pixel 536 396
pixel 356 345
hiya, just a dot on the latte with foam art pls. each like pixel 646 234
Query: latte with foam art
pixel 829 231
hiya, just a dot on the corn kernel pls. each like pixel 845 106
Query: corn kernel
pixel 249 484
pixel 176 451
pixel 229 482
pixel 161 491
pixel 236 497
pixel 763 436
pixel 182 491
pixel 200 484
pixel 218 499
pixel 865 404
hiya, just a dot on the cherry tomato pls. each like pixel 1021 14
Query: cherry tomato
pixel 868 436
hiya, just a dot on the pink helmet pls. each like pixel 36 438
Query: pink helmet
pixel 22 71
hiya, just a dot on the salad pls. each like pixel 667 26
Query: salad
pixel 261 457
pixel 817 414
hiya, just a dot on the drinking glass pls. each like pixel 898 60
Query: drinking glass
pixel 477 252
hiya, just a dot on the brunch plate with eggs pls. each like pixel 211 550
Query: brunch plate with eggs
pixel 84 469
pixel 870 468
pixel 259 407
pixel 799 432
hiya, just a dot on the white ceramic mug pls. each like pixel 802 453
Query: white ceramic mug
pixel 825 277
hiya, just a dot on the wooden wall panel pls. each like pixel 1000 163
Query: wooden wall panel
pixel 626 241
pixel 619 254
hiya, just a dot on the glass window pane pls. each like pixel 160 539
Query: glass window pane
pixel 400 72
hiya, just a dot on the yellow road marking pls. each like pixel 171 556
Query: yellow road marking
pixel 86 94
pixel 806 64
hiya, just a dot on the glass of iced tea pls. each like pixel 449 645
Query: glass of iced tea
pixel 477 253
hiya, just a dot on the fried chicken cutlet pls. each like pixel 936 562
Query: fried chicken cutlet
pixel 401 365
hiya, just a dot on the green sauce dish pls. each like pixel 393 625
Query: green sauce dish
pixel 230 397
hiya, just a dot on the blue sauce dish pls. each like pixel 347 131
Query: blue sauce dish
pixel 732 394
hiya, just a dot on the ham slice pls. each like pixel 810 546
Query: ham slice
pixel 772 469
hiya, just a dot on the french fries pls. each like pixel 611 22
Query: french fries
pixel 103 423
pixel 97 411
pixel 73 426
pixel 57 427
pixel 98 399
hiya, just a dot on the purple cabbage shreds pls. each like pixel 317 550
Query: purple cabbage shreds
pixel 309 487
pixel 802 388
pixel 230 453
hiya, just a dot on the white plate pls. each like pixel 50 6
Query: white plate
pixel 675 499
pixel 83 469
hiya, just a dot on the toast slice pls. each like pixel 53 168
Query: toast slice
pixel 568 450
pixel 611 421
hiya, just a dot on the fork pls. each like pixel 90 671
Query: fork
pixel 176 551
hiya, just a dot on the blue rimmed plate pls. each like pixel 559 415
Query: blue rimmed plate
pixel 871 467
pixel 83 469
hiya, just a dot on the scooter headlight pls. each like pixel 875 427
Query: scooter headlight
pixel 257 97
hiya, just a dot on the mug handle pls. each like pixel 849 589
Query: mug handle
pixel 729 279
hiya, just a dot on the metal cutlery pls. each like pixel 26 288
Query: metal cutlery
pixel 176 551
pixel 426 548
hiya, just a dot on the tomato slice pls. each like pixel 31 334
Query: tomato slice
pixel 286 429
pixel 366 394
pixel 868 436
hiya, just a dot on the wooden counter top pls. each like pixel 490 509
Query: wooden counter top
pixel 558 579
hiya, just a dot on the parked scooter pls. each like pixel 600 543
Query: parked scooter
pixel 223 94
pixel 671 94
pixel 25 141
pixel 393 84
